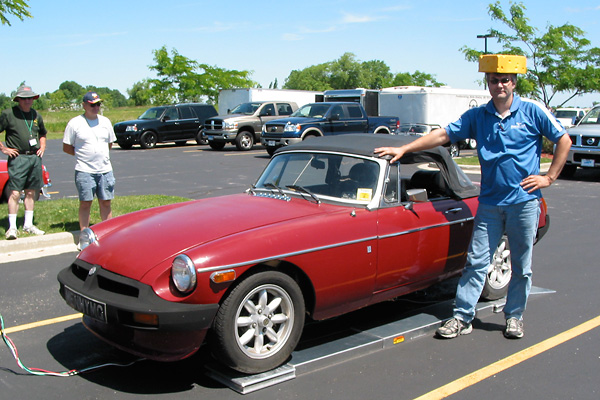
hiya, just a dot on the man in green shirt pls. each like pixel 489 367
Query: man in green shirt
pixel 24 145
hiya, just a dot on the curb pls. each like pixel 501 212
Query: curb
pixel 38 246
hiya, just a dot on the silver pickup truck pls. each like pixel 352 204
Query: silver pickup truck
pixel 243 126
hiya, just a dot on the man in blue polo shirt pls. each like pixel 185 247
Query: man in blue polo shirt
pixel 509 132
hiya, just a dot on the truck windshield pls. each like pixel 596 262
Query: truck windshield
pixel 312 111
pixel 246 108
pixel 592 117
pixel 153 113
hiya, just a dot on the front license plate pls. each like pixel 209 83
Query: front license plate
pixel 85 305
pixel 271 143
pixel 210 137
pixel 587 163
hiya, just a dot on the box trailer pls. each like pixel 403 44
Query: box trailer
pixel 229 98
pixel 368 98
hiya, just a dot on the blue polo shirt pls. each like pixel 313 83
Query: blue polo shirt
pixel 509 149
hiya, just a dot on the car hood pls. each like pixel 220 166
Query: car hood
pixel 135 122
pixel 133 244
pixel 586 129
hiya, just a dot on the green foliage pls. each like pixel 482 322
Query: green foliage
pixel 18 8
pixel 181 79
pixel 61 215
pixel 347 73
pixel 561 59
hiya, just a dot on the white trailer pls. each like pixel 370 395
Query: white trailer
pixel 434 106
pixel 229 98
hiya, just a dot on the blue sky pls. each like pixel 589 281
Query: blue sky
pixel 109 43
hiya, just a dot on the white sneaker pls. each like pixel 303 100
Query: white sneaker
pixel 33 230
pixel 11 234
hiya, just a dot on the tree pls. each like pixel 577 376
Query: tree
pixel 560 60
pixel 181 79
pixel 140 93
pixel 72 90
pixel 348 73
pixel 18 8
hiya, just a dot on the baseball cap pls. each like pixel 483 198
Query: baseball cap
pixel 91 98
pixel 25 92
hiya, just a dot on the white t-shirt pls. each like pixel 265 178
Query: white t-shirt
pixel 91 140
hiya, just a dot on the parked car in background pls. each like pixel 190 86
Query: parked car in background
pixel 424 129
pixel 175 123
pixel 327 228
pixel 4 192
pixel 585 149
pixel 569 116
pixel 242 126
pixel 324 119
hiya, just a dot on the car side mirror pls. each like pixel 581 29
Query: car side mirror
pixel 334 117
pixel 165 118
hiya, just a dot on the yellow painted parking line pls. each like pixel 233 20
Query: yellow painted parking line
pixel 510 361
pixel 42 323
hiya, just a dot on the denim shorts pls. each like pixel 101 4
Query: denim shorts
pixel 90 185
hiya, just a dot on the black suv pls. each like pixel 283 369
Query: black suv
pixel 176 123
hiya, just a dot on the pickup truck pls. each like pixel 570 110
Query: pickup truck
pixel 243 126
pixel 323 119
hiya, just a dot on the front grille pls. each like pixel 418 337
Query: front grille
pixel 106 280
pixel 591 141
pixel 213 124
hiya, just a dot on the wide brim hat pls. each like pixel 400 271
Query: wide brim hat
pixel 25 92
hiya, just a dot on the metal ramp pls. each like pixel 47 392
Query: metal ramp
pixel 355 342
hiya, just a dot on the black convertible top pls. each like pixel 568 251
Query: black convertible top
pixel 364 144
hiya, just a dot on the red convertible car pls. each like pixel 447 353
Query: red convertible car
pixel 327 228
pixel 4 192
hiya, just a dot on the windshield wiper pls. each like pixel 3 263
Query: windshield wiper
pixel 272 186
pixel 304 190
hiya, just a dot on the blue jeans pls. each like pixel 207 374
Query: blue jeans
pixel 520 223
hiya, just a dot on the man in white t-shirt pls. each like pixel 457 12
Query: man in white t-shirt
pixel 89 137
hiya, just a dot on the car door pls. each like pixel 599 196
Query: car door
pixel 170 127
pixel 337 123
pixel 420 240
pixel 188 123
pixel 355 121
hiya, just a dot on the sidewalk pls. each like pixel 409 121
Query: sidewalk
pixel 38 246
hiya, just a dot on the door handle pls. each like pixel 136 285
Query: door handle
pixel 453 210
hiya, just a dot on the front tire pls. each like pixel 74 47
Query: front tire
pixel 454 150
pixel 216 145
pixel 200 139
pixel 260 322
pixel 568 171
pixel 244 141
pixel 148 140
pixel 499 272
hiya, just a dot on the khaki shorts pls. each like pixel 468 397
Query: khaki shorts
pixel 25 172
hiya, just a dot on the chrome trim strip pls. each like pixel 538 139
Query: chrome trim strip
pixel 331 246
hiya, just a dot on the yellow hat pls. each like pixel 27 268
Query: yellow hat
pixel 502 64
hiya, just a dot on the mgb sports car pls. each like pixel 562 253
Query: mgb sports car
pixel 327 228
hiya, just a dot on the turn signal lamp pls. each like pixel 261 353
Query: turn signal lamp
pixel 146 319
pixel 223 276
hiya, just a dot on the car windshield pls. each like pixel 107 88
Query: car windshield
pixel 414 129
pixel 591 117
pixel 328 176
pixel 566 113
pixel 246 108
pixel 312 111
pixel 153 113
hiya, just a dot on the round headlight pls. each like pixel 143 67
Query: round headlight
pixel 183 273
pixel 86 238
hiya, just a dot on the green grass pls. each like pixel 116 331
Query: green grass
pixel 61 215
pixel 56 121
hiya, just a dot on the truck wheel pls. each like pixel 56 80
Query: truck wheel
pixel 200 139
pixel 244 141
pixel 148 140
pixel 454 150
pixel 216 145
pixel 499 272
pixel 259 323
pixel 271 150
pixel 124 145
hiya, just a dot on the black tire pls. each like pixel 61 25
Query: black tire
pixel 181 143
pixel 244 141
pixel 568 171
pixel 200 139
pixel 271 150
pixel 124 145
pixel 454 150
pixel 216 145
pixel 499 272
pixel 245 326
pixel 148 140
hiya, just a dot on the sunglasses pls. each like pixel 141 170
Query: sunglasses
pixel 95 104
pixel 504 81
